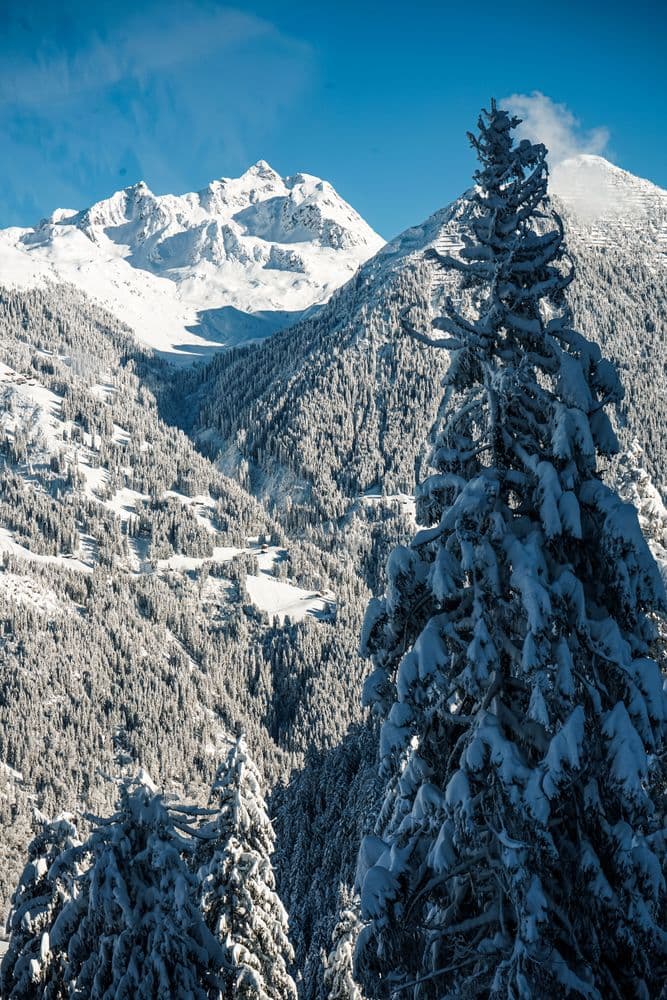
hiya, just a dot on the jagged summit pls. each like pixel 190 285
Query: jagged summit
pixel 259 204
pixel 263 169
pixel 235 261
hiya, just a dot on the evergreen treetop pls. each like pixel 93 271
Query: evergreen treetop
pixel 135 929
pixel 238 888
pixel 338 979
pixel 30 968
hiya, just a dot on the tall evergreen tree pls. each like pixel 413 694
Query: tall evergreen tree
pixel 518 852
pixel 339 982
pixel 138 932
pixel 31 969
pixel 238 888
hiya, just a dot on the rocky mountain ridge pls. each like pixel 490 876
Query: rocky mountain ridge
pixel 193 273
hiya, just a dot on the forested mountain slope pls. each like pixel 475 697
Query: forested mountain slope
pixel 342 402
pixel 147 602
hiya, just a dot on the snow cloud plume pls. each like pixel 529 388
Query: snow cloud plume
pixel 543 120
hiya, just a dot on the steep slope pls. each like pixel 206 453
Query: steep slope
pixel 147 602
pixel 341 402
pixel 191 273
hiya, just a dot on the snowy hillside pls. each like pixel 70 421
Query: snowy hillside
pixel 611 207
pixel 357 409
pixel 147 602
pixel 189 273
pixel 48 447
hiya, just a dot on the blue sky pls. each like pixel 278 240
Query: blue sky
pixel 375 97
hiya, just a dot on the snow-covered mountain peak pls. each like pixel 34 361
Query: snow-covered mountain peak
pixel 235 261
pixel 610 204
pixel 225 195
pixel 260 204
pixel 592 186
pixel 262 169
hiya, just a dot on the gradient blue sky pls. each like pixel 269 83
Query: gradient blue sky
pixel 375 97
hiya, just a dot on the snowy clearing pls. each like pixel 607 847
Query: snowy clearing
pixel 24 590
pixel 284 599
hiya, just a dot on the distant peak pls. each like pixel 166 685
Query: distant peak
pixel 591 168
pixel 261 169
pixel 596 191
pixel 590 163
pixel 140 188
pixel 597 167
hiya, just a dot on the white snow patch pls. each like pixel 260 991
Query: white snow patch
pixel 279 598
pixel 10 772
pixel 124 503
pixel 25 590
pixel 185 564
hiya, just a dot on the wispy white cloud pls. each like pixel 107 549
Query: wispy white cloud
pixel 543 120
pixel 98 97
pixel 149 41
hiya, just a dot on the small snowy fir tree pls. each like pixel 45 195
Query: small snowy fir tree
pixel 31 969
pixel 238 889
pixel 518 853
pixel 339 981
pixel 139 931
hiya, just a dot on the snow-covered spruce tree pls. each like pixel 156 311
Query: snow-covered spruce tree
pixel 339 982
pixel 138 932
pixel 238 889
pixel 518 852
pixel 31 969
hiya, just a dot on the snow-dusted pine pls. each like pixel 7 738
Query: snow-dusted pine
pixel 135 929
pixel 339 981
pixel 518 852
pixel 238 887
pixel 31 969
